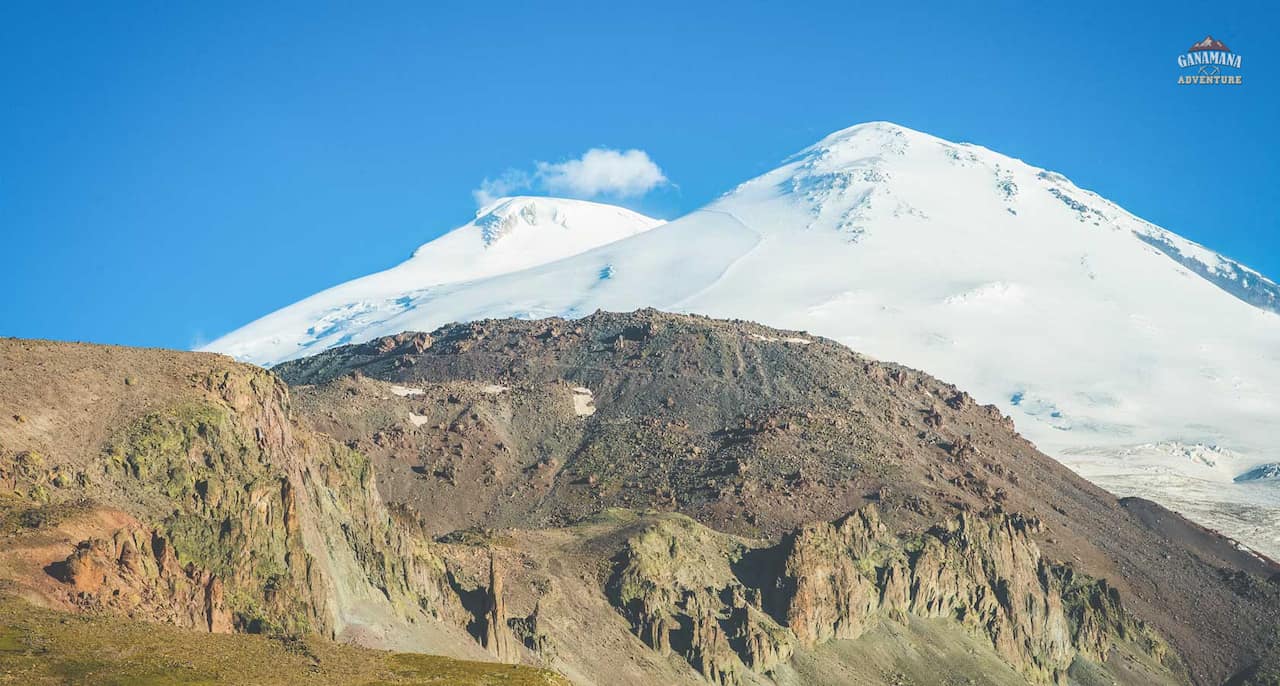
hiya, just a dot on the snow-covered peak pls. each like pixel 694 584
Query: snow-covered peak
pixel 881 174
pixel 515 233
pixel 873 133
pixel 507 235
pixel 577 221
pixel 506 216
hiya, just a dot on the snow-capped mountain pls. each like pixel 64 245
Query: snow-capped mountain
pixel 1147 362
pixel 507 235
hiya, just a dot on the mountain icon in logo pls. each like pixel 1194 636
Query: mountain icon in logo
pixel 1210 43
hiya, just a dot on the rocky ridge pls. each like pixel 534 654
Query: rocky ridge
pixel 729 610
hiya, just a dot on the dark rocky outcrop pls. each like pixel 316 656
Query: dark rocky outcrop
pixel 497 635
pixel 530 634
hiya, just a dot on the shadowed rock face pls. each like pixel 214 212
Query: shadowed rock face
pixel 1234 278
pixel 497 634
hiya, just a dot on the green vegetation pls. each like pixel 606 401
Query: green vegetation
pixel 1100 623
pixel 869 565
pixel 19 514
pixel 39 646
pixel 219 499
pixel 158 446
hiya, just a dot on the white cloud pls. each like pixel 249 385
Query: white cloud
pixel 600 171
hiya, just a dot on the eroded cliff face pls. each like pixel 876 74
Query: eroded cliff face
pixel 240 519
pixel 728 609
pixel 212 473
pixel 135 572
pixel 674 582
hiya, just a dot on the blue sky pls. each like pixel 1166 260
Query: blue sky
pixel 174 170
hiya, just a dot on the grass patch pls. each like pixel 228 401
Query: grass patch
pixel 20 515
pixel 11 641
pixel 39 647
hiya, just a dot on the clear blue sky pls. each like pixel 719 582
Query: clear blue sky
pixel 170 171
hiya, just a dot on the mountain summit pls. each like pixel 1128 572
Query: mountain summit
pixel 1145 361
pixel 507 235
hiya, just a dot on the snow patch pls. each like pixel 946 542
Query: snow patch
pixel 583 401
pixel 994 295
pixel 794 340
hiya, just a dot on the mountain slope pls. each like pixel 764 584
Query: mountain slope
pixel 625 499
pixel 508 234
pixel 768 435
pixel 1145 361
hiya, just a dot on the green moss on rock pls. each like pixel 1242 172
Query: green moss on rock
pixel 220 502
